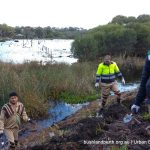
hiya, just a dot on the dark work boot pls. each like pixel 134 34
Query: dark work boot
pixel 12 146
pixel 101 111
pixel 16 143
pixel 103 103
pixel 118 100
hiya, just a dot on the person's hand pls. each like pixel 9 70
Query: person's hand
pixel 135 109
pixel 96 84
pixel 1 133
pixel 123 81
pixel 30 121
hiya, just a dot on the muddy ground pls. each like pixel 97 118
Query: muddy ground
pixel 86 131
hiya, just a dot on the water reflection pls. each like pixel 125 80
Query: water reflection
pixel 59 111
pixel 128 86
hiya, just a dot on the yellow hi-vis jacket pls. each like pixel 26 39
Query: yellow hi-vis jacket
pixel 107 73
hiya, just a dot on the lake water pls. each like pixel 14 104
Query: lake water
pixel 44 51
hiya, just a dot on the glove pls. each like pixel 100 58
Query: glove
pixel 1 133
pixel 30 121
pixel 96 84
pixel 135 109
pixel 123 81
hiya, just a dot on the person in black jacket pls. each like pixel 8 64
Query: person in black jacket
pixel 144 89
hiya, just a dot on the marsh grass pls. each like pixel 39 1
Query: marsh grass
pixel 131 67
pixel 36 84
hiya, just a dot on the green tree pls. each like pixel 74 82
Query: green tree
pixel 48 32
pixel 143 38
pixel 120 19
pixel 6 31
pixel 39 32
pixel 112 38
pixel 143 18
pixel 84 48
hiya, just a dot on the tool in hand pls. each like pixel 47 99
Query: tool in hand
pixel 129 117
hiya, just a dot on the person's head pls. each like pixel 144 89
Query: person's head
pixel 107 59
pixel 13 98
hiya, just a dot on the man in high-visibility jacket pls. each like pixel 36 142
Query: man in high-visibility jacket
pixel 106 77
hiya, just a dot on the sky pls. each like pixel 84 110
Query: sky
pixel 86 14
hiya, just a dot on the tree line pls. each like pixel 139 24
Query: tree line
pixel 39 32
pixel 123 36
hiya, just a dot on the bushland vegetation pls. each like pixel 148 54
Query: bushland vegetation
pixel 27 32
pixel 123 36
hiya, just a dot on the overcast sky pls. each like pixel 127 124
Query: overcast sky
pixel 68 13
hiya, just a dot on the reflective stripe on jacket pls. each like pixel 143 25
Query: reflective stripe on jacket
pixel 107 73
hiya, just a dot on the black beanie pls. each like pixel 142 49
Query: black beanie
pixel 13 94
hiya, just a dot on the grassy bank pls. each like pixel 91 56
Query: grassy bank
pixel 36 84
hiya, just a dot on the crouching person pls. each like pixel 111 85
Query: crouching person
pixel 10 119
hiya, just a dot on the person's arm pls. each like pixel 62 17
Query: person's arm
pixel 119 74
pixel 98 73
pixel 142 89
pixel 2 119
pixel 117 71
pixel 24 115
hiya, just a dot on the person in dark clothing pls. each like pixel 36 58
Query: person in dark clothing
pixel 144 89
